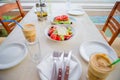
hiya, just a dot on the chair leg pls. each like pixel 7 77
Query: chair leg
pixel 113 38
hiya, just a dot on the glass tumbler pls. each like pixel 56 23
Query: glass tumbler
pixel 99 68
pixel 32 42
pixel 34 50
pixel 29 31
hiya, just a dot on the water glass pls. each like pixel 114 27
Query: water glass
pixel 68 5
pixel 34 50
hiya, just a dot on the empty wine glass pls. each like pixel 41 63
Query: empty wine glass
pixel 68 5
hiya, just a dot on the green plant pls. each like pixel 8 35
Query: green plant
pixel 7 17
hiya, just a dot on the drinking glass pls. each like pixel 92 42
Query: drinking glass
pixel 98 68
pixel 34 50
pixel 32 42
pixel 29 31
pixel 68 5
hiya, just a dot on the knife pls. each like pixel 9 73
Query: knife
pixel 67 73
pixel 67 68
pixel 59 74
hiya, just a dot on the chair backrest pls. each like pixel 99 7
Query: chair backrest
pixel 10 7
pixel 112 24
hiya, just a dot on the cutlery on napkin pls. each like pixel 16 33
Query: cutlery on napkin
pixel 54 67
pixel 46 65
pixel 67 66
pixel 60 67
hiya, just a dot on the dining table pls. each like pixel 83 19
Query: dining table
pixel 85 30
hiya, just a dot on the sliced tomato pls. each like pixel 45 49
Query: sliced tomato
pixel 64 17
pixel 58 18
pixel 51 30
pixel 58 38
pixel 61 18
pixel 67 37
pixel 53 36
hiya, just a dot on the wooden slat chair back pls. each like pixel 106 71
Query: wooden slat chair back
pixel 7 8
pixel 112 24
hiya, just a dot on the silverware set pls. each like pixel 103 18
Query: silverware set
pixel 61 65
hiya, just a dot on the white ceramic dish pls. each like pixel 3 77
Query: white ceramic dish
pixel 91 47
pixel 74 74
pixel 76 12
pixel 12 54
pixel 47 29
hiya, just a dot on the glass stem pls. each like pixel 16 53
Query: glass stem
pixel 68 3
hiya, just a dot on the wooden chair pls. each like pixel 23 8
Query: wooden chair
pixel 10 7
pixel 112 24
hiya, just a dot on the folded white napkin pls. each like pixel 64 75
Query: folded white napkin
pixel 45 68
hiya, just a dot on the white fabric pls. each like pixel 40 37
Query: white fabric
pixel 45 68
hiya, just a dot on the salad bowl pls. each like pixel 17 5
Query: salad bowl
pixel 60 32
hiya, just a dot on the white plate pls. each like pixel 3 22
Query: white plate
pixel 12 54
pixel 92 47
pixel 76 12
pixel 75 74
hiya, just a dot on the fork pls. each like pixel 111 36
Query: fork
pixel 54 69
pixel 60 69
